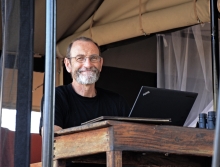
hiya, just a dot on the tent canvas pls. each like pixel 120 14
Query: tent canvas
pixel 76 18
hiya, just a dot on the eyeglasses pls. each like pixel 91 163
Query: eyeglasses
pixel 82 58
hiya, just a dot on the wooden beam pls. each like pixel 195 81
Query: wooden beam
pixel 160 138
pixel 84 143
pixel 150 159
pixel 114 159
pixel 39 164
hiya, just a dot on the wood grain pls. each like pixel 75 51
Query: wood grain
pixel 39 164
pixel 166 139
pixel 84 143
pixel 141 144
pixel 114 158
pixel 82 128
pixel 56 163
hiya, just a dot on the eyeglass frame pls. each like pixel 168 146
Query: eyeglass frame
pixel 85 57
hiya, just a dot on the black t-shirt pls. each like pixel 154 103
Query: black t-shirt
pixel 71 109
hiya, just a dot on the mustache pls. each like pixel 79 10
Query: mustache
pixel 93 69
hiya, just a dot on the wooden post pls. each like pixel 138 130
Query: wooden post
pixel 114 158
pixel 59 163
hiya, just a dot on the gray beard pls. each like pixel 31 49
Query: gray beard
pixel 88 78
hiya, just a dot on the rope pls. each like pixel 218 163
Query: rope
pixel 195 11
pixel 140 19
pixel 90 28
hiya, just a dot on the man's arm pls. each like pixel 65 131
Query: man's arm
pixel 56 128
pixel 60 103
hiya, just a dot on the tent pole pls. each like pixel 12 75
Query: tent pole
pixel 215 64
pixel 50 64
pixel 215 50
pixel 24 82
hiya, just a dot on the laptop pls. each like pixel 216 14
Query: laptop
pixel 163 103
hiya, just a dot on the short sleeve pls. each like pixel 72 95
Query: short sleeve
pixel 60 109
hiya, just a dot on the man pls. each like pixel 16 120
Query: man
pixel 81 101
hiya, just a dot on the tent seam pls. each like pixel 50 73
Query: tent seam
pixel 195 11
pixel 91 23
pixel 140 19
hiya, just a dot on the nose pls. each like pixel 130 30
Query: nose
pixel 87 62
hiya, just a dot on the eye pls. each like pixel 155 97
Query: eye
pixel 94 58
pixel 80 58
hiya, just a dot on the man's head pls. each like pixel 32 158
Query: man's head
pixel 83 60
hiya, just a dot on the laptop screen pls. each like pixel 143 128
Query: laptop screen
pixel 163 103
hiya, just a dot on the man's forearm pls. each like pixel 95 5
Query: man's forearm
pixel 56 128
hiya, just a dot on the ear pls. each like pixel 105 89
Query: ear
pixel 67 65
pixel 101 61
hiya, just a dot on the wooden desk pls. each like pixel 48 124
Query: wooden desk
pixel 140 144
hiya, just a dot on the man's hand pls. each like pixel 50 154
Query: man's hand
pixel 55 128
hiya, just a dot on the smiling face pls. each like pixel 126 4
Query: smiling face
pixel 86 72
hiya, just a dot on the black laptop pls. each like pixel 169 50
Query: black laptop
pixel 163 103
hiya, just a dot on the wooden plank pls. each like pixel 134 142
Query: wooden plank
pixel 114 158
pixel 82 128
pixel 150 159
pixel 167 139
pixel 59 163
pixel 84 143
pixel 130 119
pixel 56 163
pixel 39 164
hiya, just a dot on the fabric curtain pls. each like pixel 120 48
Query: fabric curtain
pixel 184 63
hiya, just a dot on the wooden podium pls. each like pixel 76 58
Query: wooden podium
pixel 116 143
